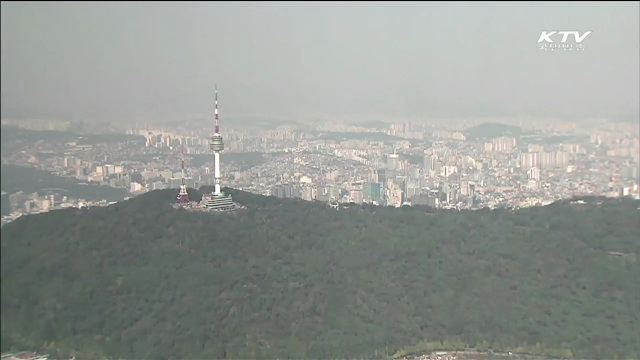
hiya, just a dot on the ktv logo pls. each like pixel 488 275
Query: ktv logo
pixel 548 41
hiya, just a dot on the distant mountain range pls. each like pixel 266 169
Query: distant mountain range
pixel 492 130
pixel 11 134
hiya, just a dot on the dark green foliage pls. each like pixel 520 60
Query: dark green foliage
pixel 294 279
pixel 31 180
pixel 5 204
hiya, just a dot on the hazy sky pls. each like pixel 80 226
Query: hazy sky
pixel 111 61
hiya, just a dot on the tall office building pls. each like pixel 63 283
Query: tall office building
pixel 393 162
pixel 371 192
pixel 529 160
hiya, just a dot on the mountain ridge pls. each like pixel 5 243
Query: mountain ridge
pixel 289 278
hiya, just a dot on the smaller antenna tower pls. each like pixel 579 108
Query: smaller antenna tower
pixel 183 196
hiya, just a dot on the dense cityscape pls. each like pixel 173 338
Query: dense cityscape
pixel 487 165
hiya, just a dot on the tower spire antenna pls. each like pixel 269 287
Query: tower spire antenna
pixel 183 196
pixel 217 128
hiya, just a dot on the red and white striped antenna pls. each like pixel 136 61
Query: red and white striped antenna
pixel 183 195
pixel 216 111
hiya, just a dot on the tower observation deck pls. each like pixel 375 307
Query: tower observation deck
pixel 216 143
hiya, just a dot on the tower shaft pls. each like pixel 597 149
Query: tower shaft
pixel 216 172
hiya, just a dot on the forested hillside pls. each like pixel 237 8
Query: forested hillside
pixel 293 279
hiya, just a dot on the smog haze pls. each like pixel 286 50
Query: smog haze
pixel 159 61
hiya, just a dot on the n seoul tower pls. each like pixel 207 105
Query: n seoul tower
pixel 218 200
pixel 217 146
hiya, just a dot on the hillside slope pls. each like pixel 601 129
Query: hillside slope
pixel 293 279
